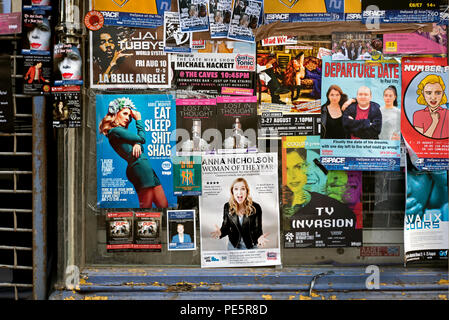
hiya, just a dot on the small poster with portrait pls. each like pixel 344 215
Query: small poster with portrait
pixel 37 35
pixel 425 114
pixel 193 15
pixel 181 230
pixel 67 65
pixel 37 71
pixel 239 211
pixel 245 20
pixel 147 235
pixel 66 104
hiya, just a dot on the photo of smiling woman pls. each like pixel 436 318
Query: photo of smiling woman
pixel 38 34
pixel 129 146
pixel 67 64
pixel 242 219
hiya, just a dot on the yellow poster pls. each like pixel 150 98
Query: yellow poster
pixel 134 6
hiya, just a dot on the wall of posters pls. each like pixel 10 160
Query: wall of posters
pixel 425 115
pixel 426 216
pixel 134 149
pixel 181 230
pixel 311 10
pixel 222 67
pixel 247 183
pixel 320 208
pixel 366 135
pixel 128 58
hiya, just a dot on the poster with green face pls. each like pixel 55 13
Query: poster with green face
pixel 187 175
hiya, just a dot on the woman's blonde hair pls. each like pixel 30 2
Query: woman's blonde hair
pixel 248 203
pixel 432 78
pixel 108 123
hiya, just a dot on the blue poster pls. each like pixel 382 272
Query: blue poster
pixel 360 115
pixel 135 139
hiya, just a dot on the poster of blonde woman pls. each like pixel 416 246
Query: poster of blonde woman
pixel 239 211
pixel 425 116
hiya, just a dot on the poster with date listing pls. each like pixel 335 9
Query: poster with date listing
pixel 320 208
pixel 366 136
pixel 66 106
pixel 37 74
pixel 132 58
pixel 250 180
pixel 10 17
pixel 134 167
pixel 425 114
pixel 221 68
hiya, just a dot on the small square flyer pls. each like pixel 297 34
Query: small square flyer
pixel 181 231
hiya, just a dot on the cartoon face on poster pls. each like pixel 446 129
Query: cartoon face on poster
pixel 425 116
pixel 134 149
pixel 360 115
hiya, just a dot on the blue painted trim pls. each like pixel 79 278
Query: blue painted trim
pixel 257 283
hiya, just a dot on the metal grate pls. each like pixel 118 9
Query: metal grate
pixel 16 188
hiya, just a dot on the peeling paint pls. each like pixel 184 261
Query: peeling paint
pixel 291 297
pixel 267 297
pixel 314 295
pixel 333 297
pixel 70 298
pixel 443 281
pixel 301 297
pixel 442 297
